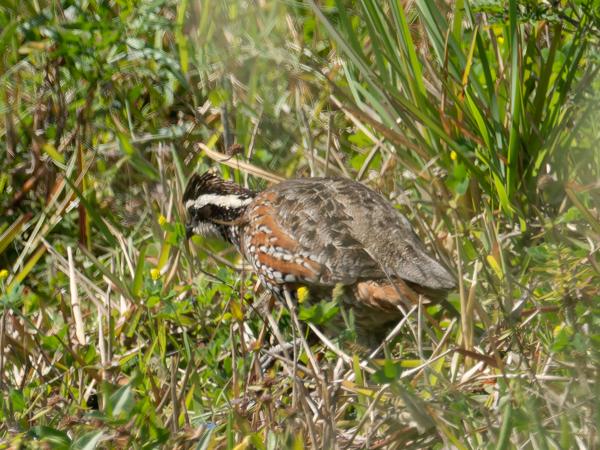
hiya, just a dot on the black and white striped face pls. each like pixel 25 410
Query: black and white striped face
pixel 212 204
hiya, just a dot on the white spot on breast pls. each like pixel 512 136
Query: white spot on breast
pixel 278 276
pixel 264 229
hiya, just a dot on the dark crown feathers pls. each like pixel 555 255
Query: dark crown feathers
pixel 211 183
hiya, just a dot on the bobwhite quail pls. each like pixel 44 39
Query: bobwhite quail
pixel 322 233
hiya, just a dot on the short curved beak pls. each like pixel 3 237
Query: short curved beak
pixel 189 231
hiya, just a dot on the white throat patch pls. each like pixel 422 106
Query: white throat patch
pixel 206 229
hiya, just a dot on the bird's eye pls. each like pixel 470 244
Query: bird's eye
pixel 204 213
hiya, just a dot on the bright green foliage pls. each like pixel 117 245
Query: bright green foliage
pixel 498 93
pixel 479 120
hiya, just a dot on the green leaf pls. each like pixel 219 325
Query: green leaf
pixel 390 372
pixel 562 340
pixel 53 153
pixel 88 441
pixel 121 403
pixel 319 313
pixel 125 144
pixel 459 181
pixel 506 426
pixel 59 440
pixel 218 97
pixel 360 139
pixel 138 278
pixel 17 400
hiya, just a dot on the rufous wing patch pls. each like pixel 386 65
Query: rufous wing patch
pixel 385 295
pixel 272 247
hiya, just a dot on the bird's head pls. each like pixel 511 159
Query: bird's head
pixel 213 204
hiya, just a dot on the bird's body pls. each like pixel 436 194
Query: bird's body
pixel 322 233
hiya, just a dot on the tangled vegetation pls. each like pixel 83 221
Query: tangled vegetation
pixel 478 119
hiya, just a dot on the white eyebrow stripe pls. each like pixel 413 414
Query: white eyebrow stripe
pixel 224 201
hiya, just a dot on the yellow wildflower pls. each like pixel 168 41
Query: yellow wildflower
pixel 303 293
pixel 155 274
